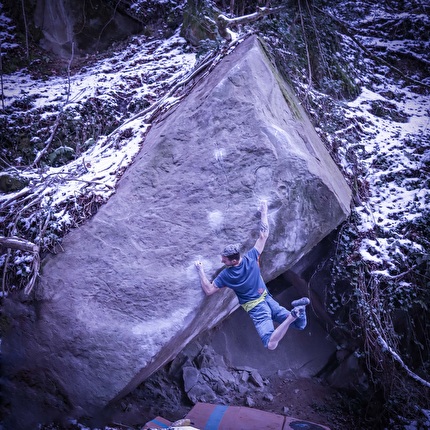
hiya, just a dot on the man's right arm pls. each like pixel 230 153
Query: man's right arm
pixel 208 287
pixel 264 228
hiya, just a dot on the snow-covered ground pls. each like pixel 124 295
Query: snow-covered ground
pixel 393 167
pixel 146 69
pixel 391 115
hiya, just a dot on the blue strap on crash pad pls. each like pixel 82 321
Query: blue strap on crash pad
pixel 160 424
pixel 215 418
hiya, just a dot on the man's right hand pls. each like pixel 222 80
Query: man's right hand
pixel 208 287
pixel 263 206
pixel 264 227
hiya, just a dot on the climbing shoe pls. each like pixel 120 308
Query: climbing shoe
pixel 304 301
pixel 298 311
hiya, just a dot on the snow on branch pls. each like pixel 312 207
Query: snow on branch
pixel 397 358
pixel 224 23
pixel 18 243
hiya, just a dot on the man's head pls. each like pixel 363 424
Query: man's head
pixel 230 256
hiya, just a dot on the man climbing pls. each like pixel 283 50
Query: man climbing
pixel 242 275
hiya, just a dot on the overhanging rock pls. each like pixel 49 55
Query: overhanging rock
pixel 124 296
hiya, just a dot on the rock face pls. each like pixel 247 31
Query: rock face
pixel 98 25
pixel 123 297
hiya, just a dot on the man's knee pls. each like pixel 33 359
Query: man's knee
pixel 265 338
pixel 271 345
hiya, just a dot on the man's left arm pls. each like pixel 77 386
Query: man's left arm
pixel 264 228
pixel 208 287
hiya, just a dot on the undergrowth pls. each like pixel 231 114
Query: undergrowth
pixel 383 299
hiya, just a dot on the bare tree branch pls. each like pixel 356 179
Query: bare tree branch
pixel 225 23
pixel 35 267
pixel 26 246
pixel 397 358
pixel 18 243
pixel 60 114
pixel 27 51
pixel 1 77
pixel 50 140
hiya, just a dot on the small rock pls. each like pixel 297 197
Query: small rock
pixel 242 389
pixel 287 374
pixel 244 369
pixel 177 365
pixel 244 377
pixel 250 401
pixel 256 379
pixel 208 358
pixel 220 388
pixel 268 397
pixel 286 410
pixel 191 375
pixel 201 392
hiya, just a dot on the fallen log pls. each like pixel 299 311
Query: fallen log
pixel 18 243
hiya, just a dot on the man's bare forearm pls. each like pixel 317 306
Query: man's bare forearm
pixel 207 286
pixel 264 228
pixel 264 221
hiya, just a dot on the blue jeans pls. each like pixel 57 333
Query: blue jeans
pixel 268 311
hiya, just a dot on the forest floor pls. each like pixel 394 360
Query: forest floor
pixel 306 399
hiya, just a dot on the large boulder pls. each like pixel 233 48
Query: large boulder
pixel 123 297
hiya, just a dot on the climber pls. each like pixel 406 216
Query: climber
pixel 242 275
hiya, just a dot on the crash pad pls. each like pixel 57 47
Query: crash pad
pixel 206 416
pixel 157 423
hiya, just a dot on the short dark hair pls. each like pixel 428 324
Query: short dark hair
pixel 230 250
pixel 232 257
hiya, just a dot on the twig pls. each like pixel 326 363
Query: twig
pixel 6 263
pixel 27 51
pixel 49 141
pixel 35 273
pixel 73 178
pixel 106 25
pixel 374 328
pixel 68 73
pixel 38 199
pixel 307 50
pixel 1 77
pixel 400 275
pixel 8 200
pixel 387 348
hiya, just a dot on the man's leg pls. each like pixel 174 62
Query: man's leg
pixel 280 332
pixel 262 318
pixel 297 317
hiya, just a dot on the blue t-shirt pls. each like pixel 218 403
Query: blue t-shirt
pixel 245 279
